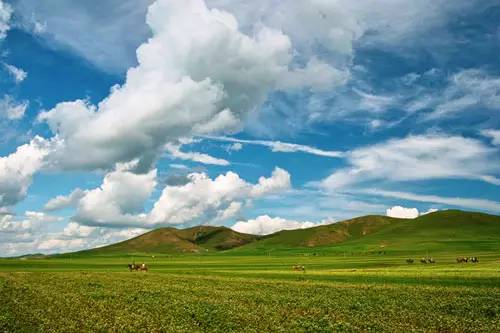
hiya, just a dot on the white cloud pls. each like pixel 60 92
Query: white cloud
pixel 205 200
pixel 402 212
pixel 175 152
pixel 41 217
pixel 33 233
pixel 374 103
pixel 317 74
pixel 418 157
pixel 76 230
pixel 109 41
pixel 204 80
pixel 8 224
pixel 265 225
pixel 178 166
pixel 338 26
pixel 5 15
pixel 39 27
pixel 282 147
pixel 18 74
pixel 471 90
pixel 25 228
pixel 470 203
pixel 493 134
pixel 77 237
pixel 407 213
pixel 231 211
pixel 18 168
pixel 235 147
pixel 279 180
pixel 430 210
pixel 12 109
pixel 62 201
pixel 118 201
pixel 66 244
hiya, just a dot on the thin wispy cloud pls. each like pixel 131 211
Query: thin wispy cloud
pixel 468 203
pixel 414 158
pixel 18 74
pixel 281 147
pixel 175 152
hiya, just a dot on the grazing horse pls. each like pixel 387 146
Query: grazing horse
pixel 299 268
pixel 428 260
pixel 409 261
pixel 462 259
pixel 136 267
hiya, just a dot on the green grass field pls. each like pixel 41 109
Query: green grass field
pixel 356 280
pixel 224 293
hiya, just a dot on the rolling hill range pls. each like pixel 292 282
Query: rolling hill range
pixel 171 240
pixel 442 231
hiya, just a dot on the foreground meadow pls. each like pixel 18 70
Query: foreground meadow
pixel 250 294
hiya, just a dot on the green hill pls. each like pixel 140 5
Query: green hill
pixel 328 235
pixel 171 240
pixel 444 231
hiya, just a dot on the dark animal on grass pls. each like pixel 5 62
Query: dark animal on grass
pixel 428 260
pixel 299 268
pixel 137 267
pixel 462 260
pixel 474 260
pixel 409 261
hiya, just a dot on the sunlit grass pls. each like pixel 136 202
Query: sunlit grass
pixel 250 294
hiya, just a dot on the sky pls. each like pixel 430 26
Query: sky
pixel 121 116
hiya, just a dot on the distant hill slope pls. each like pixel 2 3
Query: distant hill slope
pixel 172 240
pixel 441 231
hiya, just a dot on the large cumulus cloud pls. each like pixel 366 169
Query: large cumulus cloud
pixel 197 74
pixel 402 212
pixel 213 199
pixel 18 168
pixel 119 201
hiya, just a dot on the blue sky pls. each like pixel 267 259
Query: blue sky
pixel 259 116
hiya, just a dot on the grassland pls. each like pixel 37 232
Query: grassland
pixel 356 280
pixel 224 293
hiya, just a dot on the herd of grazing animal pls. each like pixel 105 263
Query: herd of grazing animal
pixel 301 268
pixel 465 260
pixel 429 260
pixel 137 267
pixel 143 267
pixel 432 261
